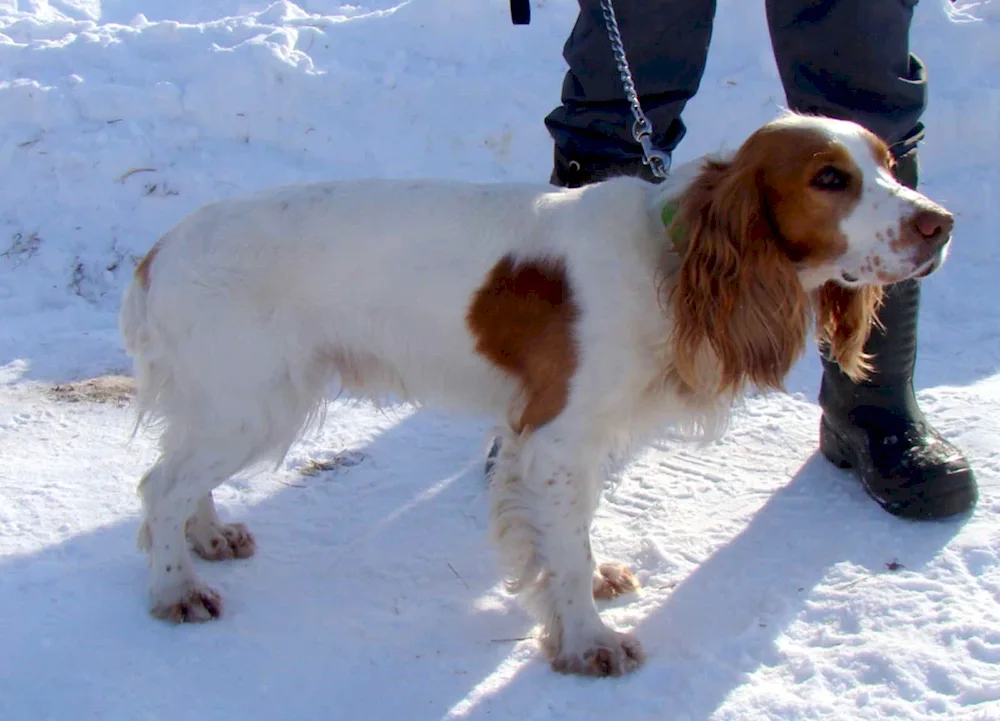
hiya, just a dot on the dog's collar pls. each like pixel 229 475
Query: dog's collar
pixel 667 215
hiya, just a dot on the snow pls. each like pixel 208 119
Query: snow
pixel 772 587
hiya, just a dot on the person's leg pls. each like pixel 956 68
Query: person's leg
pixel 851 59
pixel 666 42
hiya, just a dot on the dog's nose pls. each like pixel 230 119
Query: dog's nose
pixel 932 224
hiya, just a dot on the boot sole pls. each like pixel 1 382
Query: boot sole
pixel 840 452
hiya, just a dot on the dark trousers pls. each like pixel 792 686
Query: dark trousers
pixel 847 59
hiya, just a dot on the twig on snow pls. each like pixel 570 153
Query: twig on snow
pixel 459 577
pixel 133 171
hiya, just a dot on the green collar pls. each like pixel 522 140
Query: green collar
pixel 667 215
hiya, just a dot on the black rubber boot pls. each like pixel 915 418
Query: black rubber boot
pixel 877 429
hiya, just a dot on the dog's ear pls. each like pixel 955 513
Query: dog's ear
pixel 737 295
pixel 844 320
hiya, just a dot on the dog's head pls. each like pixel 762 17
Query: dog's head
pixel 806 216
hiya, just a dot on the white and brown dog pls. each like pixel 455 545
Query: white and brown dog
pixel 572 316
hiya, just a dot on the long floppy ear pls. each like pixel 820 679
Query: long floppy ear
pixel 737 294
pixel 844 320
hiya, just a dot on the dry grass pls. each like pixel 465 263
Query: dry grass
pixel 344 459
pixel 116 389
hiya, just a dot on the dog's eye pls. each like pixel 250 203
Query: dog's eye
pixel 830 178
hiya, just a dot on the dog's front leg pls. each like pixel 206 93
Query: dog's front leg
pixel 544 495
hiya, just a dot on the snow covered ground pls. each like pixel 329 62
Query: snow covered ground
pixel 773 589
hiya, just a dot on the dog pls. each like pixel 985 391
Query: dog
pixel 575 317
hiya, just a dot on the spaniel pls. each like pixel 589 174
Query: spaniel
pixel 575 317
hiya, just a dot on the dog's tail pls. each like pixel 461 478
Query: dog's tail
pixel 132 315
pixel 138 336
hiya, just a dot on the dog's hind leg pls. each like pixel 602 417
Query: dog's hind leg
pixel 205 443
pixel 173 491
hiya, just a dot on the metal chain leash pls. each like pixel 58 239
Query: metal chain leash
pixel 642 129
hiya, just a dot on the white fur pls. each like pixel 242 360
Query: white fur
pixel 255 302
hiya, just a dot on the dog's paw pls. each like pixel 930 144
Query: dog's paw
pixel 613 579
pixel 192 604
pixel 222 542
pixel 611 654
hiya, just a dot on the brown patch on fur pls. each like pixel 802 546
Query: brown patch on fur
pixel 750 223
pixel 844 320
pixel 880 151
pixel 807 219
pixel 117 389
pixel 143 267
pixel 522 318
